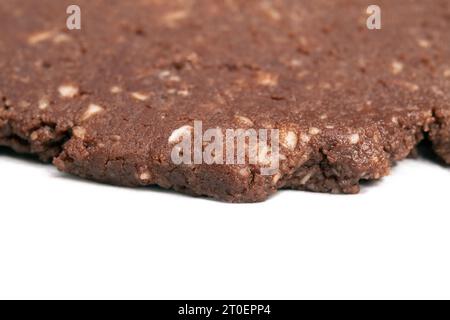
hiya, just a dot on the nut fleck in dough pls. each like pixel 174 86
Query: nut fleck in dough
pixel 92 110
pixel 68 91
pixel 109 102
pixel 290 140
pixel 140 96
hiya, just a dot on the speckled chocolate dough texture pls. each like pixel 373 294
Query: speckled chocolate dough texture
pixel 102 102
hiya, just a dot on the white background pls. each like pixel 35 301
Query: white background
pixel 61 237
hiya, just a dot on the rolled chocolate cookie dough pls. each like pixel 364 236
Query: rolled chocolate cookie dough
pixel 111 101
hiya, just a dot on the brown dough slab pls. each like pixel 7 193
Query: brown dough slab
pixel 102 102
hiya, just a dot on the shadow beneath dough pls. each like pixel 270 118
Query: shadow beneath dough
pixel 152 188
pixel 8 153
pixel 33 160
pixel 425 151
